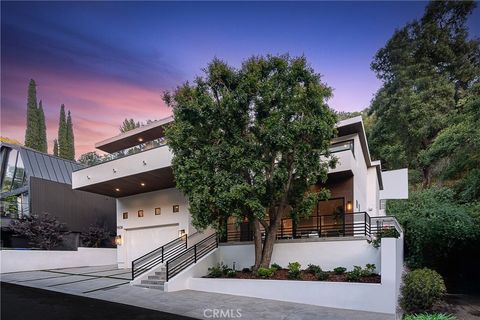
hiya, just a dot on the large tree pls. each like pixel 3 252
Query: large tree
pixel 42 129
pixel 31 132
pixel 70 148
pixel 90 158
pixel 427 68
pixel 129 124
pixel 62 133
pixel 247 143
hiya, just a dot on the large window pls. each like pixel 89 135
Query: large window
pixel 15 206
pixel 341 146
pixel 14 175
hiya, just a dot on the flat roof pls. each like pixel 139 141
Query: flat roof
pixel 133 137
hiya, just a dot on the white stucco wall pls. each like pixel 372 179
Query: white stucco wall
pixel 395 184
pixel 143 234
pixel 356 296
pixel 28 260
pixel 327 254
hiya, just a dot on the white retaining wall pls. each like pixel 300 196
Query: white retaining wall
pixel 381 297
pixel 29 260
pixel 328 254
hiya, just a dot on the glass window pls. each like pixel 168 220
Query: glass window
pixel 15 206
pixel 9 171
pixel 341 146
pixel 19 179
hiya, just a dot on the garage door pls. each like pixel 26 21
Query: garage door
pixel 143 240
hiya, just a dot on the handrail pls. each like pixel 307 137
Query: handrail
pixel 387 219
pixel 182 260
pixel 158 255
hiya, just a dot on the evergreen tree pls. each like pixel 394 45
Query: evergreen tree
pixel 42 129
pixel 55 147
pixel 31 133
pixel 70 139
pixel 129 124
pixel 62 134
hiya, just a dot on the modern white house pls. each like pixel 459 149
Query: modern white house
pixel 157 240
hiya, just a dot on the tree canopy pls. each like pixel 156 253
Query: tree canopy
pixel 248 142
pixel 36 131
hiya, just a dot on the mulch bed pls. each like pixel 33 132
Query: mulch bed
pixel 282 274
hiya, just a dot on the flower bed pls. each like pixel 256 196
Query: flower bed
pixel 312 273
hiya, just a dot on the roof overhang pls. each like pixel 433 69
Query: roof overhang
pixel 134 184
pixel 131 138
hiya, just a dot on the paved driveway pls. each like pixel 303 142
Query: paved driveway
pixel 111 284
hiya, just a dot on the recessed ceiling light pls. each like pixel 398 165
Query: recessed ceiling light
pixel 116 189
pixel 140 139
pixel 142 184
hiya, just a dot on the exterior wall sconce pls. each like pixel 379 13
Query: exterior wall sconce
pixel 158 211
pixel 349 206
pixel 144 163
pixel 181 233
pixel 140 213
pixel 88 177
pixel 176 208
pixel 118 240
pixel 114 171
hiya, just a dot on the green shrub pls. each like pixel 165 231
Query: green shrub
pixel 313 268
pixel 390 232
pixel 265 272
pixel 355 274
pixel 231 273
pixel 368 270
pixel 339 270
pixel 276 266
pixel 321 275
pixel 215 271
pixel 424 316
pixel 246 270
pixel 421 289
pixel 294 270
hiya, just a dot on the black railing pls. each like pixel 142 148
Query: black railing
pixel 340 225
pixel 159 255
pixel 182 260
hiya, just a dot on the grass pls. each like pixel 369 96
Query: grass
pixel 425 316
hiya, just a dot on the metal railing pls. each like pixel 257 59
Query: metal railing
pixel 158 256
pixel 182 260
pixel 355 224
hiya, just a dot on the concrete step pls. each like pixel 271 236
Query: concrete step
pixel 150 286
pixel 160 273
pixel 156 282
pixel 157 277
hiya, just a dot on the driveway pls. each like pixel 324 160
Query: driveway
pixel 111 284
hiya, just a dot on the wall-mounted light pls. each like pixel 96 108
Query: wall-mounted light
pixel 117 189
pixel 349 205
pixel 158 211
pixel 88 177
pixel 114 171
pixel 118 240
pixel 142 184
pixel 140 139
pixel 176 208
pixel 140 213
pixel 181 233
pixel 144 163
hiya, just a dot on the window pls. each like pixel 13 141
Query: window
pixel 158 211
pixel 125 215
pixel 341 146
pixel 176 208
pixel 7 179
pixel 140 213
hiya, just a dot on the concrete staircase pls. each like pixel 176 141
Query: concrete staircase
pixel 154 279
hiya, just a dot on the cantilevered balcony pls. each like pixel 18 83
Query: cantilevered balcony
pixel 145 171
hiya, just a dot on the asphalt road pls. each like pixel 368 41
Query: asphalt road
pixel 19 302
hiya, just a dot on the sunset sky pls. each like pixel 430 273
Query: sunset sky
pixel 108 61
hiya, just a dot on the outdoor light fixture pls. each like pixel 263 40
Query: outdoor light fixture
pixel 116 189
pixel 140 139
pixel 349 205
pixel 118 240
pixel 142 184
pixel 181 233
pixel 176 208
pixel 114 171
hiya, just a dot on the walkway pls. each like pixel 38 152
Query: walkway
pixel 111 284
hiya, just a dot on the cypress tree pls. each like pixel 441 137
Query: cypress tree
pixel 31 132
pixel 62 134
pixel 42 129
pixel 70 138
pixel 55 147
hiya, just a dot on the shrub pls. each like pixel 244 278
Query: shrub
pixel 294 270
pixel 246 270
pixel 265 272
pixel 94 236
pixel 42 231
pixel 219 270
pixel 276 266
pixel 313 269
pixel 355 274
pixel 384 233
pixel 231 273
pixel 321 275
pixel 421 289
pixel 424 316
pixel 368 270
pixel 339 270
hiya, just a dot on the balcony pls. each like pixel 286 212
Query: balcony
pixel 145 171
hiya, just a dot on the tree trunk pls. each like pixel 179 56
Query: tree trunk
pixel 426 176
pixel 257 240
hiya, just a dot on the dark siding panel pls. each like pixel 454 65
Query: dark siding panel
pixel 78 209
